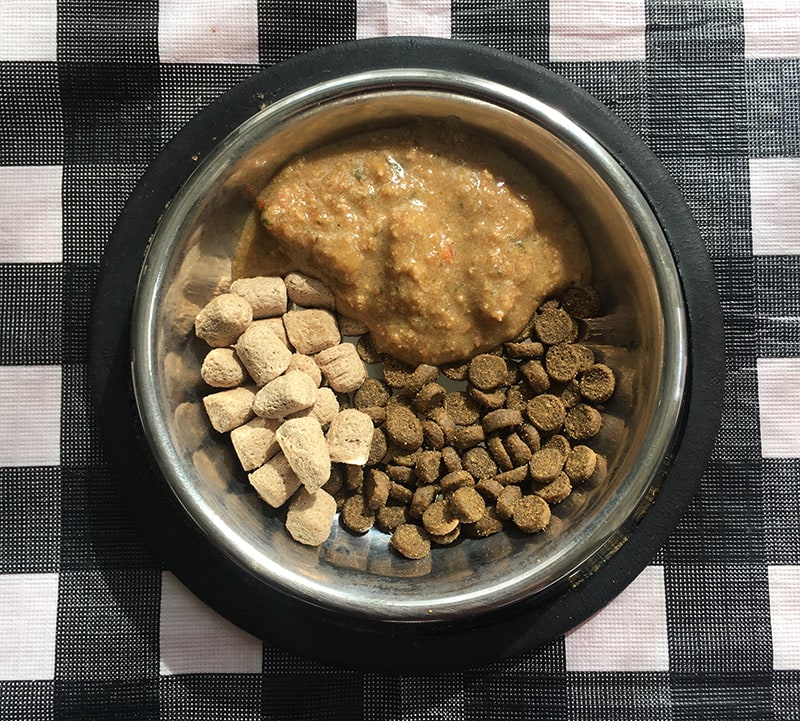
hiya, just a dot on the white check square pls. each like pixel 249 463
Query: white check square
pixel 28 611
pixel 28 30
pixel 601 30
pixel 784 610
pixel 778 406
pixel 774 210
pixel 630 634
pixel 208 31
pixel 195 639
pixel 31 221
pixel 30 408
pixel 771 28
pixel 377 18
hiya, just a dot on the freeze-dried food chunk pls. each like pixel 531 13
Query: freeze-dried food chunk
pixel 311 330
pixel 266 295
pixel 350 437
pixel 303 443
pixel 310 516
pixel 263 354
pixel 222 369
pixel 229 409
pixel 275 481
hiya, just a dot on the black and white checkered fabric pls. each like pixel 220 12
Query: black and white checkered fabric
pixel 92 627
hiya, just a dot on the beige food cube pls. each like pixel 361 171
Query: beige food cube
pixel 311 330
pixel 350 437
pixel 309 292
pixel 275 481
pixel 303 442
pixel 223 320
pixel 222 369
pixel 229 409
pixel 255 442
pixel 263 354
pixel 286 394
pixel 342 368
pixel 310 516
pixel 266 295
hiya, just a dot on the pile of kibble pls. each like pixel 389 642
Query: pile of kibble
pixel 468 448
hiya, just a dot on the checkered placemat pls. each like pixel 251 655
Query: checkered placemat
pixel 92 627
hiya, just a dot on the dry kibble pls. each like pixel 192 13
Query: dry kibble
pixel 438 518
pixel 222 369
pixel 584 355
pixel 561 362
pixel 467 505
pixel 423 497
pixel 501 420
pixel 497 450
pixel 307 365
pixel 581 301
pixel 400 493
pixel 263 354
pixel 555 325
pixel 428 466
pixel 488 524
pixel 405 458
pixel 388 518
pixel 223 320
pixel 310 516
pixel 432 435
pixel 421 376
pixel 517 396
pixel 507 500
pixel 479 463
pixel 335 483
pixel 403 427
pixel 396 373
pixel 456 479
pixel 430 396
pixel 447 538
pixel 275 481
pixel 373 392
pixel 529 434
pixel 376 488
pixel 487 371
pixel 255 442
pixel 377 414
pixel 580 464
pixel 312 330
pixel 468 437
pixel 524 349
pixel 570 394
pixel 491 401
pixel 402 474
pixel 513 476
pixel 545 465
pixel 534 372
pixel 597 383
pixel 342 368
pixel 285 395
pixel 350 437
pixel 518 451
pixel 445 421
pixel 461 408
pixel 560 443
pixel 303 443
pixel 582 422
pixel 266 296
pixel 367 351
pixel 456 371
pixel 378 447
pixel 531 514
pixel 490 489
pixel 229 409
pixel 450 459
pixel 356 515
pixel 546 412
pixel 354 478
pixel 309 292
pixel 555 491
pixel 411 541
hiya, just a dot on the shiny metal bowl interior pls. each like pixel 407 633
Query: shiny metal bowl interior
pixel 642 335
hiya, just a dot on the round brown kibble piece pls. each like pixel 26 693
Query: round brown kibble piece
pixel 468 437
pixel 356 515
pixel 571 394
pixel 438 518
pixel 456 371
pixel 531 514
pixel 488 524
pixel 451 459
pixel 524 349
pixel 411 541
pixel 376 488
pixel 490 488
pixel 581 301
pixel 584 355
pixel 546 412
pixel 430 396
pixel 432 435
pixel 555 325
pixel 403 427
pixel 494 445
pixel 479 463
pixel 545 465
pixel 597 384
pixel 378 448
pixel 400 493
pixel 555 491
pixel 560 443
pixel 447 538
pixel 507 500
pixel 427 466
pixel 396 373
pixel 366 350
pixel 501 419
pixel 461 408
pixel 467 504
pixel 423 497
pixel 580 464
pixel 491 401
pixel 456 479
pixel 515 475
pixel 388 518
pixel 373 392
pixel 536 375
pixel 518 451
pixel 561 362
pixel 582 422
pixel 487 371
pixel 529 434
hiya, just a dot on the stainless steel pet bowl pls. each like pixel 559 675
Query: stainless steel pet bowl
pixel 642 334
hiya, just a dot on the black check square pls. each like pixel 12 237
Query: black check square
pixel 100 700
pixel 96 532
pixel 619 696
pixel 79 284
pixel 287 28
pixel 80 443
pixel 781 490
pixel 186 89
pixel 778 318
pixel 29 507
pixel 210 697
pixel 31 313
pixel 93 196
pixel 111 112
pixel 700 697
pixel 326 695
pixel 736 284
pixel 738 445
pixel 31 125
pixel 717 191
pixel 520 28
pixel 718 619
pixel 26 700
pixel 618 85
pixel 108 625
pixel 773 107
pixel 786 695
pixel 126 32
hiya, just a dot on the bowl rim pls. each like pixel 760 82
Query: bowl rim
pixel 683 237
